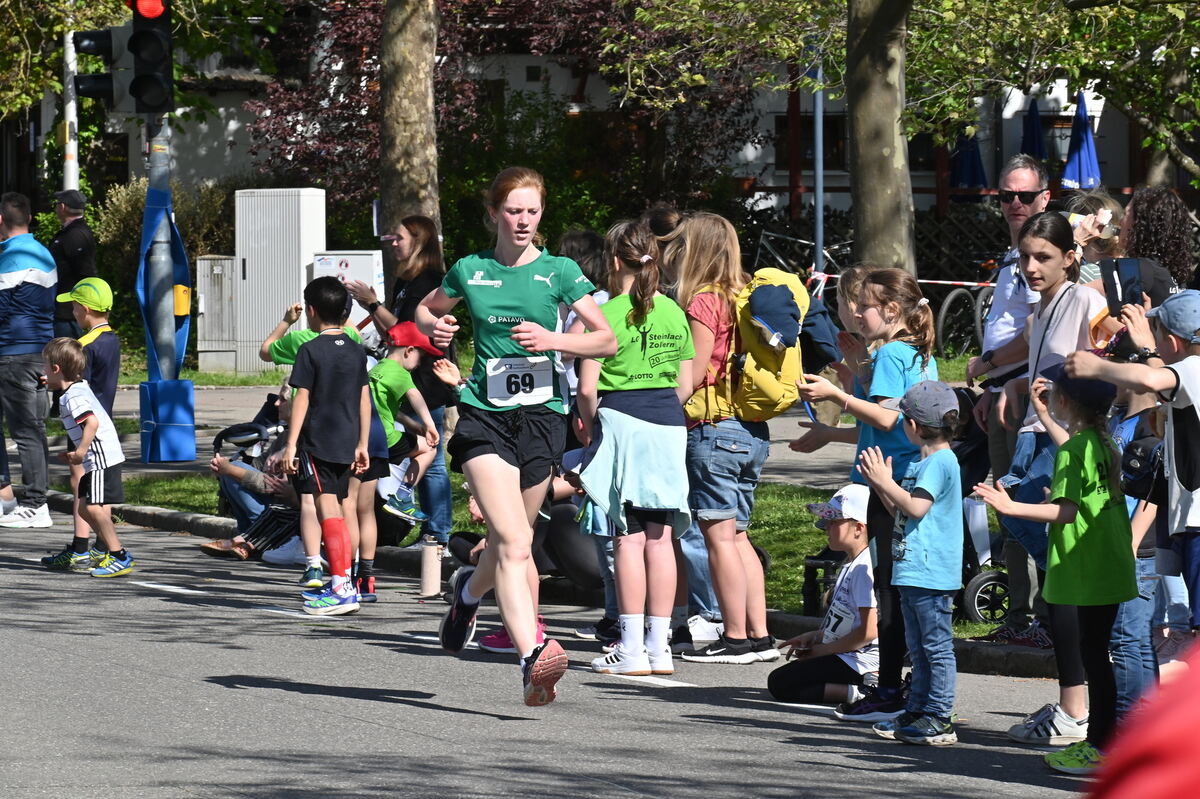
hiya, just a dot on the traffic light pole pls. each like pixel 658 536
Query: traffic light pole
pixel 70 116
pixel 160 269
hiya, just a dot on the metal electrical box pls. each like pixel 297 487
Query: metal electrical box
pixel 215 314
pixel 348 266
pixel 277 233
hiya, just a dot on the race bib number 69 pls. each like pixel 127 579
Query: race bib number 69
pixel 520 381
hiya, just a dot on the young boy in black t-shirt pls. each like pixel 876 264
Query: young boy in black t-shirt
pixel 327 437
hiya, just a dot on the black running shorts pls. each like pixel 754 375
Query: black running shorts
pixel 531 438
pixel 102 486
pixel 318 476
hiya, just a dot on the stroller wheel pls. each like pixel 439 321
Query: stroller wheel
pixel 985 599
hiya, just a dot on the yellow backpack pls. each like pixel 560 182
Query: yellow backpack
pixel 764 362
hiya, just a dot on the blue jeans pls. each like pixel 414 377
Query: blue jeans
pixel 24 404
pixel 927 613
pixel 1190 541
pixel 1134 663
pixel 702 597
pixel 434 488
pixel 1028 477
pixel 1171 606
pixel 604 554
pixel 246 505
pixel 724 461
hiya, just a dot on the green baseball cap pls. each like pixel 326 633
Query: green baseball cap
pixel 91 292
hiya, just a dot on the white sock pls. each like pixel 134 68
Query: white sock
pixel 656 633
pixel 466 594
pixel 341 584
pixel 313 562
pixel 633 631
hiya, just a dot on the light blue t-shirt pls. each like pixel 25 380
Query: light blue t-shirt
pixel 928 552
pixel 895 368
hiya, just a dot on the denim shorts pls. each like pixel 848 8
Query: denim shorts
pixel 724 461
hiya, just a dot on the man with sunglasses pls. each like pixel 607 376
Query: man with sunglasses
pixel 1024 191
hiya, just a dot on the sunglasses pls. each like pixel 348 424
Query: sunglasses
pixel 1027 197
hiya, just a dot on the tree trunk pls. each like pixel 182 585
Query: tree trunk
pixel 1161 169
pixel 408 178
pixel 879 179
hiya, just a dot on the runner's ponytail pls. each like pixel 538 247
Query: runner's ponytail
pixel 633 245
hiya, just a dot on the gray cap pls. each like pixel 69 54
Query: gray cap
pixel 1180 314
pixel 926 403
pixel 72 198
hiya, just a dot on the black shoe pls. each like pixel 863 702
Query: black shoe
pixel 723 650
pixel 458 625
pixel 681 640
pixel 764 649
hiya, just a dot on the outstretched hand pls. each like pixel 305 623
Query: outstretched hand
pixel 815 387
pixel 997 497
pixel 874 467
pixel 816 435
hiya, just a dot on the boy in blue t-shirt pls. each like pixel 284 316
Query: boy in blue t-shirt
pixel 927 553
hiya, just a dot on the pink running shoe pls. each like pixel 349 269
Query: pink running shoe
pixel 500 643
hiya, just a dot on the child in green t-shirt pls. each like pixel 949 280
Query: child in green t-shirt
pixel 397 398
pixel 1089 563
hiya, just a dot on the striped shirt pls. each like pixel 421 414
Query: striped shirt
pixel 77 404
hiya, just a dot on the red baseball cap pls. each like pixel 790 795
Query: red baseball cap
pixel 407 334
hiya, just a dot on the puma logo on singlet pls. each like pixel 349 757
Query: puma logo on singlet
pixel 545 278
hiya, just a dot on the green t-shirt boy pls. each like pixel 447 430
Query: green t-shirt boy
pixel 283 351
pixel 648 354
pixel 499 297
pixel 1090 560
pixel 388 383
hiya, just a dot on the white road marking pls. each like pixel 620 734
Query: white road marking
pixel 427 638
pixel 283 611
pixel 171 589
pixel 649 680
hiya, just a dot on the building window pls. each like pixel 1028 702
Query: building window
pixel 1059 140
pixel 836 142
pixel 533 74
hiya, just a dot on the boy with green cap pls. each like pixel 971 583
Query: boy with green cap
pixel 91 300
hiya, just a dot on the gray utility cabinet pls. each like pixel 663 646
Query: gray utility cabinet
pixel 277 232
pixel 215 314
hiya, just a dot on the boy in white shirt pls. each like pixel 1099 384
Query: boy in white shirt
pixel 97 448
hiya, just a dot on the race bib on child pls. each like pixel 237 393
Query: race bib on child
pixel 520 381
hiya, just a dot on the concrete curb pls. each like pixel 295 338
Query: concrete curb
pixel 973 657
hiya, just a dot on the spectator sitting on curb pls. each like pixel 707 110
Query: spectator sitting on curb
pixel 250 488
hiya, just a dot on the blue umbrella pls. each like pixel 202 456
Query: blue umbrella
pixel 966 167
pixel 1033 141
pixel 1083 168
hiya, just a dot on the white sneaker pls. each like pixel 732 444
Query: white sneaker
pixel 704 631
pixel 661 663
pixel 1049 726
pixel 27 517
pixel 619 661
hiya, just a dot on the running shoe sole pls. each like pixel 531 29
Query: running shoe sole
pixel 941 739
pixel 339 609
pixel 547 669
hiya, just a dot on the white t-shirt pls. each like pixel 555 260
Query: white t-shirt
pixel 854 589
pixel 77 404
pixel 1182 463
pixel 567 317
pixel 1058 329
pixel 1011 301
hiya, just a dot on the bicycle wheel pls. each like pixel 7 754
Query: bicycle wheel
pixel 956 324
pixel 983 305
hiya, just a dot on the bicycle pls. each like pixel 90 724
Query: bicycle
pixel 961 315
pixel 789 252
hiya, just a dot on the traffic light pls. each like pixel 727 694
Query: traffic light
pixel 112 45
pixel 153 84
pixel 141 79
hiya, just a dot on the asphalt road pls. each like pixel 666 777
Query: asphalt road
pixel 196 677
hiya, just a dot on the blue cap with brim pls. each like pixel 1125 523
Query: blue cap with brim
pixel 1180 314
pixel 1094 394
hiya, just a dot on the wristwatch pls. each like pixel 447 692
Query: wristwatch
pixel 987 359
pixel 373 306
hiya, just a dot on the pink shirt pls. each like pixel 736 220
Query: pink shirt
pixel 712 310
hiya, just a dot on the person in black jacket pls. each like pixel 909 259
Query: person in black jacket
pixel 74 251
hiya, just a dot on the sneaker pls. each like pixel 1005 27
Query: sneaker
pixel 1001 635
pixel 27 517
pixel 704 631
pixel 928 731
pixel 405 508
pixel 599 630
pixel 622 661
pixel 96 556
pixel 887 728
pixel 1080 758
pixel 365 586
pixel 500 643
pixel 313 577
pixel 543 668
pixel 871 707
pixel 320 590
pixel 660 662
pixel 331 603
pixel 764 649
pixel 112 566
pixel 1049 726
pixel 458 625
pixel 1172 646
pixel 68 561
pixel 723 651
pixel 1035 636
pixel 681 640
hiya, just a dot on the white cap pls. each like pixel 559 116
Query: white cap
pixel 850 502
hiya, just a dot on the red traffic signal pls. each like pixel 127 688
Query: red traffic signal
pixel 150 9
